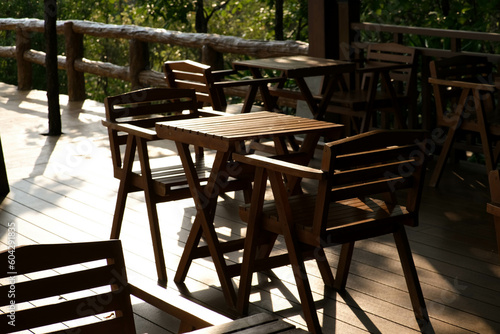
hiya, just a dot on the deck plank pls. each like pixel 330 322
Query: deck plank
pixel 63 190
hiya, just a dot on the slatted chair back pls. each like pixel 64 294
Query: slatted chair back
pixel 393 53
pixel 368 185
pixel 142 109
pixel 197 76
pixel 64 285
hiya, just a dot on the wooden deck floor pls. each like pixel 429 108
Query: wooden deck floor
pixel 62 190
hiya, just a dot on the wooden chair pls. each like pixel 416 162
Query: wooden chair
pixel 130 119
pixel 368 185
pixel 82 288
pixel 394 64
pixel 493 207
pixel 210 85
pixel 464 95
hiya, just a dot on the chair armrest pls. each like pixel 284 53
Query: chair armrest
pixel 247 82
pixel 132 130
pixel 219 74
pixel 280 166
pixel 462 84
pixel 190 313
pixel 210 113
pixel 382 67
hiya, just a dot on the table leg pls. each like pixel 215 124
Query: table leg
pixel 308 97
pixel 205 199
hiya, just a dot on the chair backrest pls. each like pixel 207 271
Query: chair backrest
pixel 197 76
pixel 143 108
pixel 461 68
pixel 57 283
pixel 392 53
pixel 380 162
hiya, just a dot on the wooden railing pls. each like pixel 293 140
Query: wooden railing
pixel 76 65
pixel 212 46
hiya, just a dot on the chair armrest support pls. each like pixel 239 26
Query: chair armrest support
pixel 280 166
pixel 462 84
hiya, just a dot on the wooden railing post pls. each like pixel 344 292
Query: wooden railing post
pixel 74 51
pixel 24 67
pixel 211 57
pixel 139 61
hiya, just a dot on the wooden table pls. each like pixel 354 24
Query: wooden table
pixel 225 135
pixel 298 68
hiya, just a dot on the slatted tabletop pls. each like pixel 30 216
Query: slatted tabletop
pixel 214 132
pixel 298 66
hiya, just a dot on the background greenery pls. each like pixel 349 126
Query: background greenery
pixel 250 19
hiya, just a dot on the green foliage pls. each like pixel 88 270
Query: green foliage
pixel 250 19
pixel 471 15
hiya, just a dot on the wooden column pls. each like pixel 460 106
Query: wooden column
pixel 24 68
pixel 323 29
pixel 74 51
pixel 348 12
pixel 139 61
pixel 211 57
pixel 50 9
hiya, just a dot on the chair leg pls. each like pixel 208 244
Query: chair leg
pixel 343 266
pixel 324 267
pixel 411 277
pixel 119 212
pixel 154 224
pixel 438 169
pixel 121 200
pixel 300 274
pixel 251 247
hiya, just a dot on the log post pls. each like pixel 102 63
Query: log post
pixel 348 12
pixel 74 51
pixel 139 61
pixel 24 67
pixel 323 29
pixel 50 27
pixel 211 57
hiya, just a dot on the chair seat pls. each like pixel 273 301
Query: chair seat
pixel 347 215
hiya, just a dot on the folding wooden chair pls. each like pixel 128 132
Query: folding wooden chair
pixel 130 119
pixel 81 288
pixel 368 185
pixel 387 83
pixel 465 104
pixel 210 85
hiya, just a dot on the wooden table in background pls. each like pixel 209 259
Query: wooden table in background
pixel 298 68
